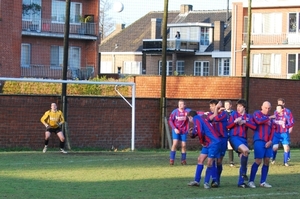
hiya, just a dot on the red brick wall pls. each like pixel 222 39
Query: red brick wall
pixel 106 121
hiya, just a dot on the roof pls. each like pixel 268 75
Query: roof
pixel 131 38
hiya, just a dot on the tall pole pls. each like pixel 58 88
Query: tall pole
pixel 247 86
pixel 163 75
pixel 65 66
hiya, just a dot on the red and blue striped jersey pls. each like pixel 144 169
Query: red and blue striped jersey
pixel 219 123
pixel 178 119
pixel 264 127
pixel 280 123
pixel 205 131
pixel 288 114
pixel 240 130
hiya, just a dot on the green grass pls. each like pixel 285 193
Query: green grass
pixel 139 174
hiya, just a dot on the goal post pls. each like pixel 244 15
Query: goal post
pixel 132 84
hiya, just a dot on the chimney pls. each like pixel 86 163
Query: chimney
pixel 119 27
pixel 219 36
pixel 156 28
pixel 185 8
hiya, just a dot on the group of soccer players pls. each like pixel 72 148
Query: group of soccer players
pixel 218 126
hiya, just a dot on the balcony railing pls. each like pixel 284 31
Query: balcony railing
pixel 48 72
pixel 172 44
pixel 46 25
pixel 273 39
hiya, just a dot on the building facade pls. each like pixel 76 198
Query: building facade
pixel 274 41
pixel 33 38
pixel 203 48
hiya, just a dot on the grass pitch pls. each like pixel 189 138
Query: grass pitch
pixel 138 174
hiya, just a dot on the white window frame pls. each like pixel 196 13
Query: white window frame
pixel 132 67
pixel 56 60
pixel 169 68
pixel 201 68
pixel 267 23
pixel 58 11
pixel 224 67
pixel 25 55
pixel 106 67
pixel 180 67
pixel 30 16
pixel 266 63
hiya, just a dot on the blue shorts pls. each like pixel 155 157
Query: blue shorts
pixel 260 151
pixel 212 151
pixel 223 146
pixel 180 137
pixel 237 141
pixel 284 138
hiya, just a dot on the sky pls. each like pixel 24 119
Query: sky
pixel 135 9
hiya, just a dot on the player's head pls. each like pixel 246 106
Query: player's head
pixel 266 107
pixel 53 107
pixel 281 101
pixel 181 104
pixel 227 105
pixel 212 104
pixel 191 114
pixel 279 108
pixel 241 105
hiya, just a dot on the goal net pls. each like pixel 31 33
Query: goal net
pixel 92 121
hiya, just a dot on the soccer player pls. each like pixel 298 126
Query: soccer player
pixel 289 114
pixel 281 134
pixel 238 125
pixel 218 118
pixel 179 123
pixel 53 119
pixel 210 147
pixel 228 109
pixel 262 139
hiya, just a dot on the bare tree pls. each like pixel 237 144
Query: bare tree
pixel 106 21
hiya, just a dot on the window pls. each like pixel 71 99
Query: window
pixel 25 55
pixel 58 11
pixel 132 67
pixel 224 67
pixel 168 68
pixel 56 57
pixel 292 63
pixel 201 68
pixel 294 22
pixel 266 64
pixel 204 36
pixel 244 65
pixel 267 23
pixel 31 15
pixel 180 67
pixel 106 67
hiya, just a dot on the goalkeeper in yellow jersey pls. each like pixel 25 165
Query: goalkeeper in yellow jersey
pixel 53 119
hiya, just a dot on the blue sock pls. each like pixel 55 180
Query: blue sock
pixel 214 171
pixel 264 173
pixel 242 172
pixel 253 172
pixel 183 156
pixel 207 174
pixel 289 156
pixel 172 155
pixel 244 161
pixel 199 169
pixel 274 155
pixel 285 157
pixel 219 171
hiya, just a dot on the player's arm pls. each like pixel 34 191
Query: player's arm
pixel 44 118
pixel 61 119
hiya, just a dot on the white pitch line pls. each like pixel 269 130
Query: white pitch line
pixel 248 196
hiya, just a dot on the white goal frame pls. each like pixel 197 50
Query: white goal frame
pixel 91 82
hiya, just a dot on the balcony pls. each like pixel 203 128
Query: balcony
pixel 48 72
pixel 47 27
pixel 273 40
pixel 182 45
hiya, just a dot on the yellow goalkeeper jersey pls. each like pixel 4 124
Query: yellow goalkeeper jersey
pixel 53 119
